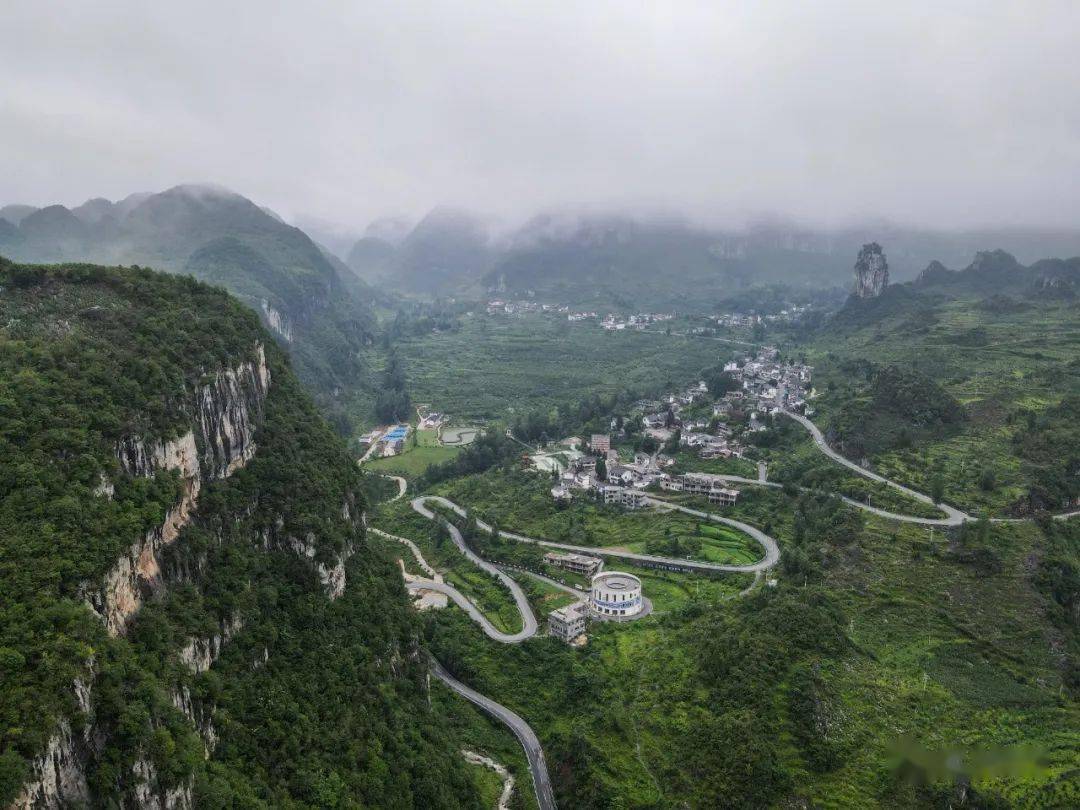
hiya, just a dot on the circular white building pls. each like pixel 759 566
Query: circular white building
pixel 616 594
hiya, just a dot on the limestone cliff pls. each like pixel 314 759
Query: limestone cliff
pixel 277 320
pixel 871 271
pixel 225 412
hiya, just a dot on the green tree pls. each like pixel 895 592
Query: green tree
pixel 937 487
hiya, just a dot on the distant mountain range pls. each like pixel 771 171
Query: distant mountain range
pixel 307 297
pixel 613 259
pixel 995 281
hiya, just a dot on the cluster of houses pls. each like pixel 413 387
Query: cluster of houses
pixel 638 321
pixel 625 481
pixel 747 321
pixel 705 434
pixel 713 487
pixel 498 306
pixel 767 386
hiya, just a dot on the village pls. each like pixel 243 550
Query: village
pixel 640 321
pixel 692 420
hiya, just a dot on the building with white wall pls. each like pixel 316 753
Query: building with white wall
pixel 568 623
pixel 614 593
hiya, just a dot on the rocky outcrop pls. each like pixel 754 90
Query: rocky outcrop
pixel 331 576
pixel 197 715
pixel 58 775
pixel 225 412
pixel 935 273
pixel 229 408
pixel 276 320
pixel 871 271
pixel 138 570
pixel 330 568
pixel 59 778
pixel 200 653
pixel 148 794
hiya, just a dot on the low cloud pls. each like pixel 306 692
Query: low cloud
pixel 943 114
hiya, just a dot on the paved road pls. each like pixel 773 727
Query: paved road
pixel 431 572
pixel 738 479
pixel 402 485
pixel 772 550
pixel 954 516
pixel 528 619
pixel 462 601
pixel 545 798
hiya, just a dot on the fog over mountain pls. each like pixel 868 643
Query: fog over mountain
pixel 832 113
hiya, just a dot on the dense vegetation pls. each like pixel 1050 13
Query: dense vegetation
pixel 314 702
pixel 312 303
pixel 897 407
pixel 880 651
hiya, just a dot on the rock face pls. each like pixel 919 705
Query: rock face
pixel 225 413
pixel 200 653
pixel 59 774
pixel 871 271
pixel 278 322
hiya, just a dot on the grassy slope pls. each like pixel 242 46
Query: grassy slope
pixel 1027 361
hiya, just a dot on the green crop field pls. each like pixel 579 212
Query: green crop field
pixel 413 461
pixel 495 367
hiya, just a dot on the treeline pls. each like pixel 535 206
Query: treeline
pixel 491 449
pixel 418 318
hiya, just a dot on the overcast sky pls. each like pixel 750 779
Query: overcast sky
pixel 940 113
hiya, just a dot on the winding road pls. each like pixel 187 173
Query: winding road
pixel 528 739
pixel 545 798
pixel 771 557
pixel 954 517
pixel 528 618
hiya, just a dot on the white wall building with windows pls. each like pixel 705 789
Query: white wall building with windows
pixel 616 594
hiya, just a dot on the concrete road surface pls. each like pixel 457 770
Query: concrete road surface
pixel 526 736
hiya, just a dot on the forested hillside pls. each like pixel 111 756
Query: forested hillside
pixel 224 239
pixel 190 612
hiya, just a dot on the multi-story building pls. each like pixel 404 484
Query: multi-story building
pixel 711 486
pixel 627 497
pixel 577 563
pixel 600 443
pixel 569 622
pixel 614 593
